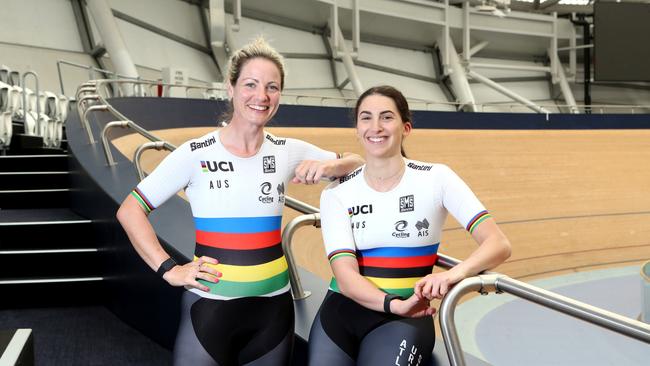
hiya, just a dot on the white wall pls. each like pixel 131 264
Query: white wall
pixel 178 17
pixel 43 62
pixel 35 34
pixel 39 23
pixel 152 51
pixel 284 39
pixel 416 62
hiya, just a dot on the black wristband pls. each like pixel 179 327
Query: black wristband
pixel 387 299
pixel 165 266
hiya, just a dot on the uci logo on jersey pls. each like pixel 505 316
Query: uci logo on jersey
pixel 400 227
pixel 265 188
pixel 362 209
pixel 215 166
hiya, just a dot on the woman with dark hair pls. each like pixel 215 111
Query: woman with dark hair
pixel 237 309
pixel 381 227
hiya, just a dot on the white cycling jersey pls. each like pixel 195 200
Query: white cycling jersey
pixel 237 207
pixel 395 235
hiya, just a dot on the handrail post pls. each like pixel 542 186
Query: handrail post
pixel 107 149
pixel 158 145
pixel 297 291
pixel 85 122
pixel 58 70
pixel 448 308
pixel 80 101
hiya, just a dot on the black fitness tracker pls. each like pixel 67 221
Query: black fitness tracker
pixel 165 266
pixel 387 299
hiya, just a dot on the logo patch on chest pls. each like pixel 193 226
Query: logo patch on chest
pixel 407 203
pixel 268 164
pixel 400 228
pixel 265 188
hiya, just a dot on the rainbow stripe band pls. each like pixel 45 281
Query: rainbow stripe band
pixel 394 270
pixel 249 273
pixel 245 289
pixel 249 252
pixel 142 200
pixel 477 220
pixel 238 225
pixel 240 241
pixel 341 253
pixel 404 292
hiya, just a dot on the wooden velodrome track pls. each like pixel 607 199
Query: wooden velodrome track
pixel 568 200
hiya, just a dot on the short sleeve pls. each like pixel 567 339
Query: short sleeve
pixel 301 150
pixel 335 227
pixel 460 201
pixel 169 177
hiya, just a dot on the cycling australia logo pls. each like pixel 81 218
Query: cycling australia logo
pixel 280 189
pixel 406 203
pixel 400 228
pixel 265 188
pixel 423 227
pixel 268 164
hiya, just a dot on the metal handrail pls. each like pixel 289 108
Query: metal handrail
pixel 107 151
pixel 157 145
pixel 500 283
pixel 428 103
pixel 313 219
pixel 91 72
pixel 86 123
pixel 127 124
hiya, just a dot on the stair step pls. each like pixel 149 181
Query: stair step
pixel 34 180
pixel 31 281
pixel 25 265
pixel 37 163
pixel 49 251
pixel 34 198
pixel 51 291
pixel 20 141
pixel 43 229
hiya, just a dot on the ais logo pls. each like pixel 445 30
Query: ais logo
pixel 423 227
pixel 215 166
pixel 280 189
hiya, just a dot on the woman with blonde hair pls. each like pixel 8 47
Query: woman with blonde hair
pixel 238 309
